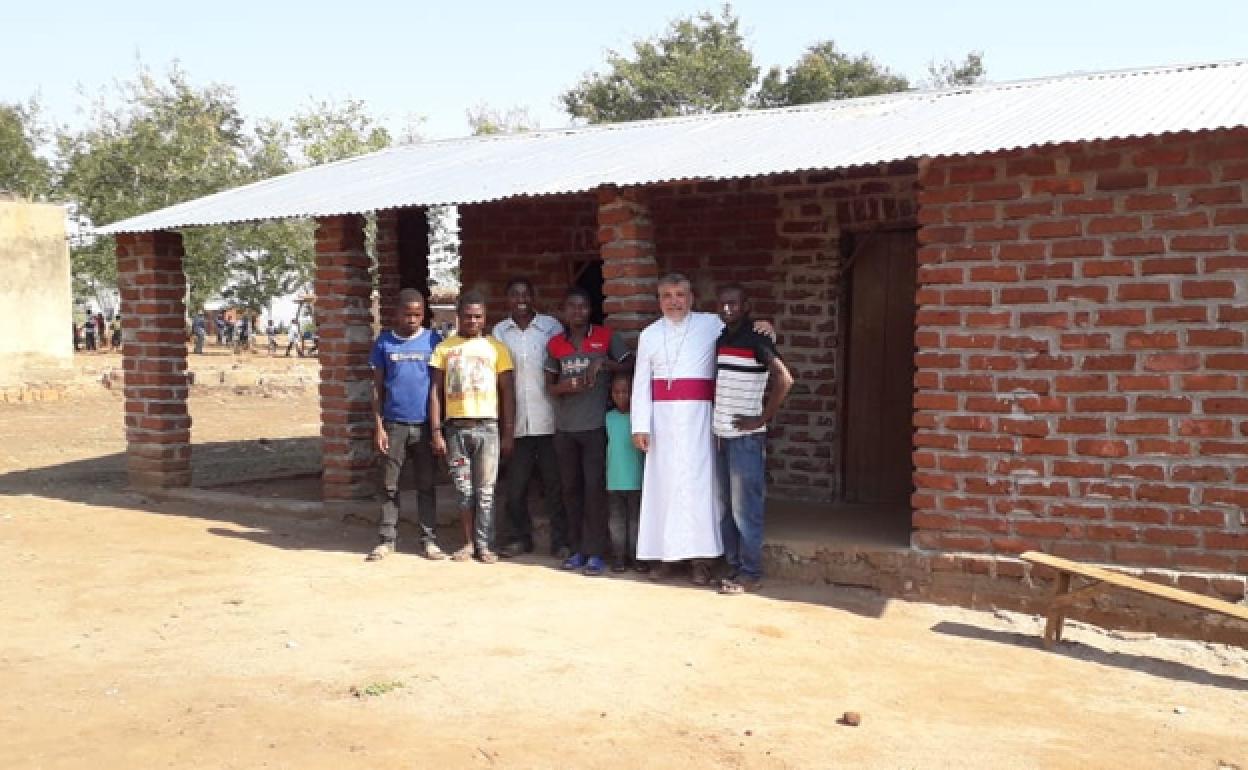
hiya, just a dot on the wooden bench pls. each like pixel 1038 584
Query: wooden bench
pixel 1065 596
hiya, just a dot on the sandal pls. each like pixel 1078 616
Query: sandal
pixel 463 554
pixel 737 586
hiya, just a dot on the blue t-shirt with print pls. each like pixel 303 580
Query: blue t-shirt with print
pixel 405 362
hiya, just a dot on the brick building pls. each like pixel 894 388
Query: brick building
pixel 1017 313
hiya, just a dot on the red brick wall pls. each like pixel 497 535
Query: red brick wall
pixel 535 238
pixel 1081 352
pixel 780 237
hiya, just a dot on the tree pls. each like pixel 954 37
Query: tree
pixel 486 120
pixel 22 170
pixel 326 132
pixel 701 64
pixel 951 74
pixel 167 142
pixel 824 73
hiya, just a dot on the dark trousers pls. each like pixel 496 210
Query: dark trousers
pixel 408 443
pixel 535 454
pixel 625 508
pixel 583 471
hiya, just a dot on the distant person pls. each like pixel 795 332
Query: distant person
pixel 294 340
pixel 624 469
pixel 77 337
pixel 472 375
pixel 88 332
pixel 101 331
pixel 199 332
pixel 401 384
pixel 229 332
pixel 114 332
pixel 219 327
pixel 244 334
pixel 270 333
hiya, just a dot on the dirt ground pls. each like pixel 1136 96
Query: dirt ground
pixel 138 634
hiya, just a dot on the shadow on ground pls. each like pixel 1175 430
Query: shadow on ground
pixel 1167 669
pixel 285 471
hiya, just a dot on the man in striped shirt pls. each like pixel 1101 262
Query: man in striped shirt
pixel 745 362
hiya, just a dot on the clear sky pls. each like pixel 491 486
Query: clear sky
pixel 436 60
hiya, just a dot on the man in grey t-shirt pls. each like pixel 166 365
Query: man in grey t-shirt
pixel 579 365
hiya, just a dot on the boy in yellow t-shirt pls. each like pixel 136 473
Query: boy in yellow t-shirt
pixel 472 375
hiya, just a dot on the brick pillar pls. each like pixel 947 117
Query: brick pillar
pixel 387 265
pixel 344 323
pixel 153 316
pixel 629 270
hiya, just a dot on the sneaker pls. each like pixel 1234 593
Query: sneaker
pixel 594 567
pixel 380 552
pixel 433 553
pixel 575 561
pixel 486 556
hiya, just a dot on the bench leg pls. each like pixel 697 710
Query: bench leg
pixel 1057 612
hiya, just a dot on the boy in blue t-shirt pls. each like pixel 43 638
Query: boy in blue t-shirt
pixel 624 469
pixel 400 361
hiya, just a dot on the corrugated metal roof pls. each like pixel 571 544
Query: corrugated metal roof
pixel 839 134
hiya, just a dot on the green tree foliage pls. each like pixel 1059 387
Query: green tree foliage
pixel 22 170
pixel 700 64
pixel 824 73
pixel 166 142
pixel 486 120
pixel 326 132
pixel 161 141
pixel 951 74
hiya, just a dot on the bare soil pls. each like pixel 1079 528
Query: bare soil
pixel 138 634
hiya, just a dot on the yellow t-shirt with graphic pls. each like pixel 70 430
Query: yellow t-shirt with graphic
pixel 470 368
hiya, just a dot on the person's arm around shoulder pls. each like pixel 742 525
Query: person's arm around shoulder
pixel 779 386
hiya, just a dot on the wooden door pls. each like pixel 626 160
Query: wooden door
pixel 879 398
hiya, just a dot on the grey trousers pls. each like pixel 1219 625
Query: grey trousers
pixel 408 442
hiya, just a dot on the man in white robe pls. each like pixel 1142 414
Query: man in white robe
pixel 673 391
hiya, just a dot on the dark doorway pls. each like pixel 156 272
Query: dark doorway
pixel 587 274
pixel 879 371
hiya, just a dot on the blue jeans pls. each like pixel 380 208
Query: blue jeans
pixel 743 487
pixel 472 453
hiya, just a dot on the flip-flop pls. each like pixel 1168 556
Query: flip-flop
pixel 730 587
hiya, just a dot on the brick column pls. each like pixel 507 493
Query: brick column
pixel 344 323
pixel 629 270
pixel 153 312
pixel 387 264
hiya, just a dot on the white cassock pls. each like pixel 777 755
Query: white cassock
pixel 673 394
